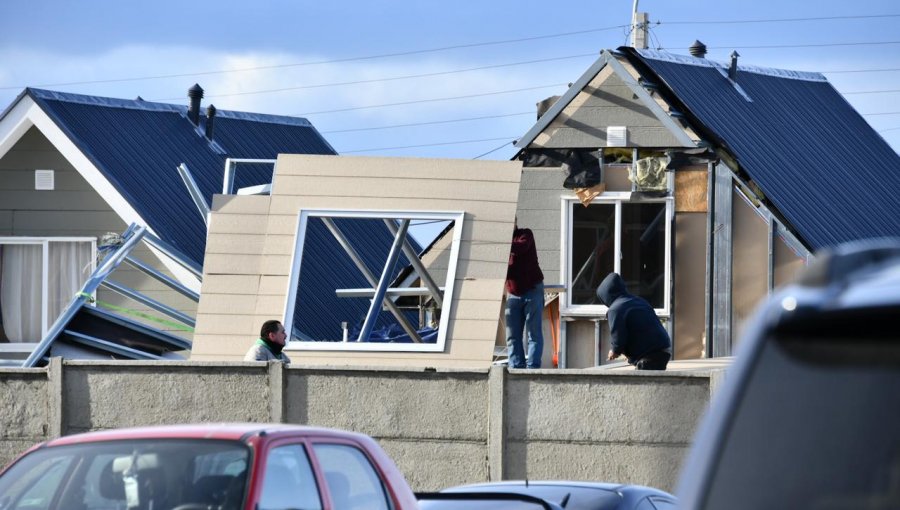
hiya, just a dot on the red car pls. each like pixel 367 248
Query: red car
pixel 201 467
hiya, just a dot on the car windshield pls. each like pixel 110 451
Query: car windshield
pixel 817 426
pixel 575 497
pixel 156 474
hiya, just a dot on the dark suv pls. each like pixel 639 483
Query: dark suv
pixel 809 415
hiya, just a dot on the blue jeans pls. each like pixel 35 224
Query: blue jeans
pixel 525 313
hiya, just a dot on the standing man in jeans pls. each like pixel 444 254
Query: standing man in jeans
pixel 524 301
pixel 634 328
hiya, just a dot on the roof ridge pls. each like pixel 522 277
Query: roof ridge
pixel 790 74
pixel 144 105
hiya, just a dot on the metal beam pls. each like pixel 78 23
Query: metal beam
pixel 131 237
pixel 391 291
pixel 357 260
pixel 194 191
pixel 383 283
pixel 436 293
pixel 719 341
pixel 121 350
pixel 137 264
pixel 231 166
pixel 173 253
pixel 152 303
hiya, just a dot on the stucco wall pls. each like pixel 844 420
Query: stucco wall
pixel 442 427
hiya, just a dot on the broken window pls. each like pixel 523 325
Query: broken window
pixel 616 234
pixel 361 281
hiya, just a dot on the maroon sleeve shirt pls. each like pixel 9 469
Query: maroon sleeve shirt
pixel 523 272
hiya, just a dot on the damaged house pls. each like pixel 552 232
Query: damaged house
pixel 704 184
pixel 75 172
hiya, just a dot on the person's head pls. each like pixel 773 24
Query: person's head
pixel 273 331
pixel 610 288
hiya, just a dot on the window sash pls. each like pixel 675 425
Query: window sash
pixel 569 273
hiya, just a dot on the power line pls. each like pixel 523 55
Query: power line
pixel 888 129
pixel 775 20
pixel 494 150
pixel 870 92
pixel 430 100
pixel 393 78
pixel 860 71
pixel 330 61
pixel 817 45
pixel 460 142
pixel 374 128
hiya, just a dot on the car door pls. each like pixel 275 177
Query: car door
pixel 288 478
pixel 354 482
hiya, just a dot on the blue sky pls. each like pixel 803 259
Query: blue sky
pixel 298 57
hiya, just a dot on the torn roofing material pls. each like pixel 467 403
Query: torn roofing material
pixel 137 145
pixel 816 159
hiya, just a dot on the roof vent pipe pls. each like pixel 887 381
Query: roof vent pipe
pixel 196 94
pixel 210 118
pixel 698 49
pixel 732 69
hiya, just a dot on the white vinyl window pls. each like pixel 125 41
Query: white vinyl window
pixel 38 279
pixel 616 234
pixel 358 282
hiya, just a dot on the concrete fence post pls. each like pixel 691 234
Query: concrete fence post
pixel 275 371
pixel 496 422
pixel 56 414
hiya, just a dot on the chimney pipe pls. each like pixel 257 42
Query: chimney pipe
pixel 210 118
pixel 698 49
pixel 196 94
pixel 732 69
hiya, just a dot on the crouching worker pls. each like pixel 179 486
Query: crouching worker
pixel 269 344
pixel 634 328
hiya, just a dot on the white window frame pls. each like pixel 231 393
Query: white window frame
pixel 617 199
pixel 297 255
pixel 44 243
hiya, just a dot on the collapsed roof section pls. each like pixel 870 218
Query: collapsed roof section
pixel 89 329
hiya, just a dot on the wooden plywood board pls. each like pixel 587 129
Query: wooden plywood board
pixel 691 191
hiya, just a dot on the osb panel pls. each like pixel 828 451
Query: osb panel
pixel 691 190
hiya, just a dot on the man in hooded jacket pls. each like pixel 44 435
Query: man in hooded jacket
pixel 634 327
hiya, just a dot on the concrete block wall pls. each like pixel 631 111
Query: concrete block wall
pixel 442 427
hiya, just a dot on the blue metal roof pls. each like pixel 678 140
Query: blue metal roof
pixel 138 145
pixel 822 166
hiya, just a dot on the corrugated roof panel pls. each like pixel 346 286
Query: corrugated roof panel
pixel 138 146
pixel 816 159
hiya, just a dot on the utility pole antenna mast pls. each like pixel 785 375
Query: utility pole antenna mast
pixel 639 23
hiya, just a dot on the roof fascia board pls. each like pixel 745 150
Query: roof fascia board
pixel 606 58
pixel 84 166
pixel 667 121
pixel 15 124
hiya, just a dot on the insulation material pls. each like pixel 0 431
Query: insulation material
pixel 586 195
pixel 691 191
pixel 649 174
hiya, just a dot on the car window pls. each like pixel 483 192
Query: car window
pixel 289 481
pixel 162 473
pixel 39 485
pixel 352 481
pixel 817 425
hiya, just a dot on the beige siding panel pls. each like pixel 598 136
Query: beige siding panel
pixel 280 244
pixel 232 284
pixel 479 287
pixel 477 310
pixel 329 186
pixel 240 244
pixel 273 285
pixel 229 303
pixel 271 305
pixel 237 223
pixel 216 347
pixel 465 328
pixel 389 168
pixel 230 264
pixel 225 324
pixel 481 269
pixel 241 204
pixel 494 210
pixel 276 265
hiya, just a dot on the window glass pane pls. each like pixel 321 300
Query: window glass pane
pixel 644 249
pixel 289 480
pixel 593 249
pixel 21 274
pixel 352 481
